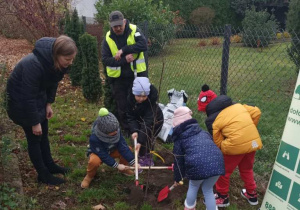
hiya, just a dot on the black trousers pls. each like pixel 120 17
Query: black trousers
pixel 120 90
pixel 146 137
pixel 39 148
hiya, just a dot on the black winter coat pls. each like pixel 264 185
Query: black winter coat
pixel 147 113
pixel 196 156
pixel 121 42
pixel 32 84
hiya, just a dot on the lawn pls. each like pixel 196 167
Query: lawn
pixel 264 78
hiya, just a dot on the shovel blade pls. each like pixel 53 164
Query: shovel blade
pixel 163 194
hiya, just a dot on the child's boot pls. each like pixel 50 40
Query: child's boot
pixel 187 207
pixel 88 178
pixel 86 181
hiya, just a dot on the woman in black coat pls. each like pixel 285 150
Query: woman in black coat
pixel 31 88
pixel 144 117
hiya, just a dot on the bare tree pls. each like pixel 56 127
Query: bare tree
pixel 40 17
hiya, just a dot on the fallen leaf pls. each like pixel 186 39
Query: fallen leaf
pixel 83 119
pixel 98 207
pixel 59 205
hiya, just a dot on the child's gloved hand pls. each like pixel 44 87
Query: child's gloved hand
pixel 134 135
pixel 121 167
pixel 138 147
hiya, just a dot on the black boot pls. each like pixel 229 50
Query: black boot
pixel 46 177
pixel 56 169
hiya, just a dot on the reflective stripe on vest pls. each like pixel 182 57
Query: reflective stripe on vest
pixel 140 62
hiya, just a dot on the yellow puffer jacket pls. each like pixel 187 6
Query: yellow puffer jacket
pixel 234 129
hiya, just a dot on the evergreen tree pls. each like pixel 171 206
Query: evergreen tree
pixel 74 30
pixel 91 82
pixel 67 23
pixel 259 28
pixel 293 26
pixel 109 101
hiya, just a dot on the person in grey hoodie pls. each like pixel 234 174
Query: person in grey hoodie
pixel 31 89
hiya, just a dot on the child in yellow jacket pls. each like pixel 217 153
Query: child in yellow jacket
pixel 234 131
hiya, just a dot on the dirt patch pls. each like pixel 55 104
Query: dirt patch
pixel 154 182
pixel 12 50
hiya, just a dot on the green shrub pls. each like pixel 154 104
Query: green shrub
pixel 158 16
pixel 161 35
pixel 202 16
pixel 91 82
pixel 259 28
pixel 74 29
pixel 293 26
pixel 109 101
pixel 8 198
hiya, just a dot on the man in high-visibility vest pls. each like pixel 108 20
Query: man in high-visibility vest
pixel 123 57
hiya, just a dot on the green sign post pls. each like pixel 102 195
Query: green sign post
pixel 284 186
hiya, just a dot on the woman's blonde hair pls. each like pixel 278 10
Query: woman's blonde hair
pixel 63 46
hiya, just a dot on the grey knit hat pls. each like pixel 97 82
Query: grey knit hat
pixel 106 121
pixel 141 86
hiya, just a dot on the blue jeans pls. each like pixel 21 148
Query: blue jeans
pixel 207 189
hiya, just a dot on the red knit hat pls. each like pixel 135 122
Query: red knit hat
pixel 205 97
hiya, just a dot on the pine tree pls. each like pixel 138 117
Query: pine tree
pixel 74 29
pixel 91 82
pixel 293 26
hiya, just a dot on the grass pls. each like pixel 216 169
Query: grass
pixel 265 79
pixel 262 78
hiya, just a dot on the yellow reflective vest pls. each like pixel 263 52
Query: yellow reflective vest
pixel 139 58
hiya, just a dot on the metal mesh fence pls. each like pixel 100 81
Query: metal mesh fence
pixel 260 72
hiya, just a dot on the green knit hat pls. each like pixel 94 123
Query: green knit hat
pixel 107 122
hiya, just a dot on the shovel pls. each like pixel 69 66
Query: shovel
pixel 153 167
pixel 163 194
pixel 136 163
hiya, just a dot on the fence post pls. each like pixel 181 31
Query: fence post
pixel 225 60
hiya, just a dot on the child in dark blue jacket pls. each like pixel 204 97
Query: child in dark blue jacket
pixel 196 157
pixel 106 144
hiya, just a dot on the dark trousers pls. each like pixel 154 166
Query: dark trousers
pixel 39 148
pixel 120 90
pixel 146 137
